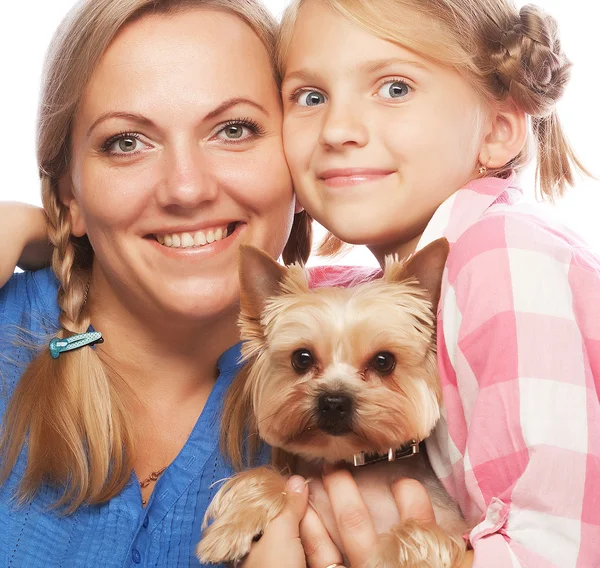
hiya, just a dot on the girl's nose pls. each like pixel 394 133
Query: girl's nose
pixel 343 126
pixel 188 177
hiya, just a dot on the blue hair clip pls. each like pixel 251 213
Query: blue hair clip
pixel 58 346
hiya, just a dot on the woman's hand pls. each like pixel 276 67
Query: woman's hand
pixel 281 544
pixel 24 237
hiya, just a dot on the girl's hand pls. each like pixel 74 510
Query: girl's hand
pixel 281 544
pixel 24 238
pixel 354 523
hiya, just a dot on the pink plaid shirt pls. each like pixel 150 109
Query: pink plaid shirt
pixel 518 445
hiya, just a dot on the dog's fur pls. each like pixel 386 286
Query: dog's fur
pixel 333 372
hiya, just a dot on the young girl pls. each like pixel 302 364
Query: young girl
pixel 406 121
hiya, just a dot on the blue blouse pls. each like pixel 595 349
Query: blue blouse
pixel 119 533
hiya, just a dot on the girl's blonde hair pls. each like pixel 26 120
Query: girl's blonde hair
pixel 509 56
pixel 72 410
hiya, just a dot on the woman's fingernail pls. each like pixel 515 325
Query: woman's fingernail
pixel 296 484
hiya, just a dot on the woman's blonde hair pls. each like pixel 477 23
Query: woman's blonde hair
pixel 506 54
pixel 72 410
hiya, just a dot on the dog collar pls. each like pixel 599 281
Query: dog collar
pixel 406 451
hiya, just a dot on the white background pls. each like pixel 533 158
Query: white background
pixel 26 29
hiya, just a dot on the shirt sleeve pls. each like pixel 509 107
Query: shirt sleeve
pixel 27 294
pixel 520 369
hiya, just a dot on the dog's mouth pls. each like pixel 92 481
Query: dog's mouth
pixel 313 441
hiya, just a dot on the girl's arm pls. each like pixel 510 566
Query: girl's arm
pixel 24 239
pixel 520 361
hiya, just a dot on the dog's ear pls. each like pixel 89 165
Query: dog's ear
pixel 427 266
pixel 260 279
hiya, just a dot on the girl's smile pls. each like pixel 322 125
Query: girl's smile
pixel 344 177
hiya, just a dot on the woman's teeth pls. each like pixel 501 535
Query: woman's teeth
pixel 197 239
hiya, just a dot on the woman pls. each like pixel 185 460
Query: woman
pixel 143 145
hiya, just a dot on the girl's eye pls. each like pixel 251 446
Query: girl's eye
pixel 124 144
pixel 239 130
pixel 394 90
pixel 311 98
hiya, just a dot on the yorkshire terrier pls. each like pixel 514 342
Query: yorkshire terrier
pixel 340 375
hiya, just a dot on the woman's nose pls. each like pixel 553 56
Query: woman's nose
pixel 343 126
pixel 188 177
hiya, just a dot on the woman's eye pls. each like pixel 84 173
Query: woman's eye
pixel 124 144
pixel 238 131
pixel 311 98
pixel 394 90
pixel 234 132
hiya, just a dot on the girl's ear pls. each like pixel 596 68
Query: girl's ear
pixel 65 192
pixel 506 137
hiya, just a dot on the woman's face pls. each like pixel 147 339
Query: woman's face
pixel 177 160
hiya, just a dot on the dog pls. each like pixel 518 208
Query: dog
pixel 334 375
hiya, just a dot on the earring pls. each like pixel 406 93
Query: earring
pixel 483 168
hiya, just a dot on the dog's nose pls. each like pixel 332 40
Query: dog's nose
pixel 335 413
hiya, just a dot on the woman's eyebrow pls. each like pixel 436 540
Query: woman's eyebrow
pixel 132 116
pixel 229 103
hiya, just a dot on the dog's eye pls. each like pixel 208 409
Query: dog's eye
pixel 383 362
pixel 302 360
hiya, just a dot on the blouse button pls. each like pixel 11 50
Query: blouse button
pixel 136 556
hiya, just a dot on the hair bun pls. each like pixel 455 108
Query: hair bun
pixel 530 64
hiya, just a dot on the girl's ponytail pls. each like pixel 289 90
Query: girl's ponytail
pixel 557 163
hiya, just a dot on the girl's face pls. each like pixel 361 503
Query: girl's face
pixel 177 159
pixel 376 136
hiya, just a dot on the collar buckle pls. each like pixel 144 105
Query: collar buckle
pixel 406 451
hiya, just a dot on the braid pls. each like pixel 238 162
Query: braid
pixel 73 280
pixel 77 425
pixel 530 64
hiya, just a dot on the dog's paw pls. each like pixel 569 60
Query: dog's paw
pixel 239 514
pixel 416 545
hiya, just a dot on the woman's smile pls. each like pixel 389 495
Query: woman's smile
pixel 197 244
